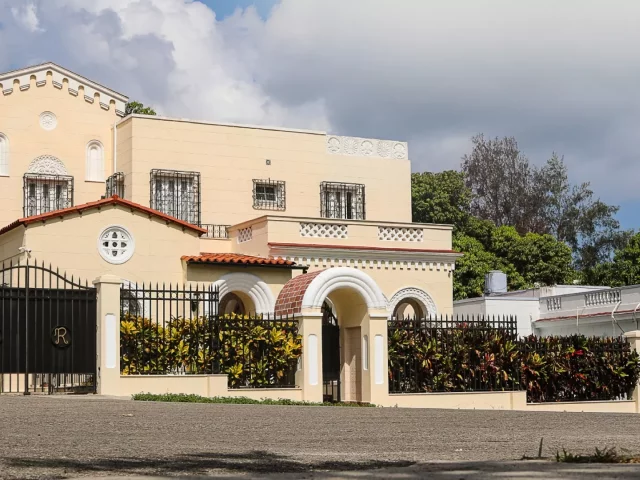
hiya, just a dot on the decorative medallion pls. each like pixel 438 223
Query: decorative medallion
pixel 366 148
pixel 333 144
pixel 399 151
pixel 116 245
pixel 384 148
pixel 61 337
pixel 350 145
pixel 48 120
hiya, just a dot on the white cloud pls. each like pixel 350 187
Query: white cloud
pixel 560 76
pixel 27 16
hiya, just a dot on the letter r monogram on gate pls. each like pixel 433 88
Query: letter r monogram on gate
pixel 61 337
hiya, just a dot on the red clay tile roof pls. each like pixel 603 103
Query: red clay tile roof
pixel 115 200
pixel 353 247
pixel 289 300
pixel 234 258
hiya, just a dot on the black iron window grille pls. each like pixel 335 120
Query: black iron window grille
pixel 342 200
pixel 215 231
pixel 269 195
pixel 115 185
pixel 46 193
pixel 176 194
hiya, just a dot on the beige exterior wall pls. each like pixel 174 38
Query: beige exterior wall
pixel 230 157
pixel 71 243
pixel 78 123
pixel 10 242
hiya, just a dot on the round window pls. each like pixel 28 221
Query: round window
pixel 116 244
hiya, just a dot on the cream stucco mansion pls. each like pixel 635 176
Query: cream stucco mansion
pixel 281 220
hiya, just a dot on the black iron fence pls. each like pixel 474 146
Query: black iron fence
pixel 177 330
pixel 115 185
pixel 45 193
pixel 215 231
pixel 453 353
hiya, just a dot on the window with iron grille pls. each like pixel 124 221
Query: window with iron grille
pixel 46 193
pixel 176 194
pixel 115 185
pixel 269 195
pixel 342 200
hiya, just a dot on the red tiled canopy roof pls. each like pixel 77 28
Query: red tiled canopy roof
pixel 115 200
pixel 234 258
pixel 289 300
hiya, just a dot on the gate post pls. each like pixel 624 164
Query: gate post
pixel 108 334
pixel 633 337
pixel 311 331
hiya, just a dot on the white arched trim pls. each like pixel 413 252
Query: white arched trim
pixel 251 285
pixel 4 155
pixel 94 166
pixel 47 165
pixel 414 293
pixel 343 277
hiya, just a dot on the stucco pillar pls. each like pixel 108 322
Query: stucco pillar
pixel 633 338
pixel 375 379
pixel 108 334
pixel 310 378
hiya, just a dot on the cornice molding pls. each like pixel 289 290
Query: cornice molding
pixel 22 80
pixel 367 147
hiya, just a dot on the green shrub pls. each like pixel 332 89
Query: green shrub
pixel 251 352
pixel 186 398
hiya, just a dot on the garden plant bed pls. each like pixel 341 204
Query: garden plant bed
pixel 184 398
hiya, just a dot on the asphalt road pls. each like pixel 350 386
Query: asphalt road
pixel 62 437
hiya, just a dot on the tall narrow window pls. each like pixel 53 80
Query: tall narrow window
pixel 342 200
pixel 4 155
pixel 176 194
pixel 95 162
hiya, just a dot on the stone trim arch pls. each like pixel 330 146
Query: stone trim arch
pixel 251 285
pixel 47 165
pixel 414 293
pixel 311 289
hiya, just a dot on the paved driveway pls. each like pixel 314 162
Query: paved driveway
pixel 59 437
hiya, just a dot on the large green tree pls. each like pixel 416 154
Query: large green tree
pixel 507 190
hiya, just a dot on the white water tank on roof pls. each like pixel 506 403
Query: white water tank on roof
pixel 495 282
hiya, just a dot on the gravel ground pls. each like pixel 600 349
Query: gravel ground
pixel 61 437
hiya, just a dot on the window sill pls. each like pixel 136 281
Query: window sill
pixel 94 181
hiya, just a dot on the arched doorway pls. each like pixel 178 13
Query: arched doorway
pixel 330 354
pixel 236 303
pixel 346 298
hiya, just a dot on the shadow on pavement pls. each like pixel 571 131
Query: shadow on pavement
pixel 256 462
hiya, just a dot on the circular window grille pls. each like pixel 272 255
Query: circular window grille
pixel 116 244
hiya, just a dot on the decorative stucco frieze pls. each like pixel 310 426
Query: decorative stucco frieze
pixel 47 165
pixel 366 147
pixel 58 77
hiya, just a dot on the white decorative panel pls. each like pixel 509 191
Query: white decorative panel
pixel 397 234
pixel 603 297
pixel 47 165
pixel 323 230
pixel 48 120
pixel 245 234
pixel 365 352
pixel 312 352
pixel 112 340
pixel 378 359
pixel 554 303
pixel 366 147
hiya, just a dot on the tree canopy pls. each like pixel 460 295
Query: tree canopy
pixel 138 108
pixel 530 222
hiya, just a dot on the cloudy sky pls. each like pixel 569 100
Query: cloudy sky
pixel 559 76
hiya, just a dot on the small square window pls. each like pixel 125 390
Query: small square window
pixel 269 195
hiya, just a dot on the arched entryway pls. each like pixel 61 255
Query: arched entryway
pixel 345 297
pixel 412 302
pixel 244 293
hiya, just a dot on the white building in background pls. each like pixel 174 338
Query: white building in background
pixel 559 309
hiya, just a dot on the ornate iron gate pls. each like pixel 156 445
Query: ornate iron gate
pixel 47 331
pixel 330 356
